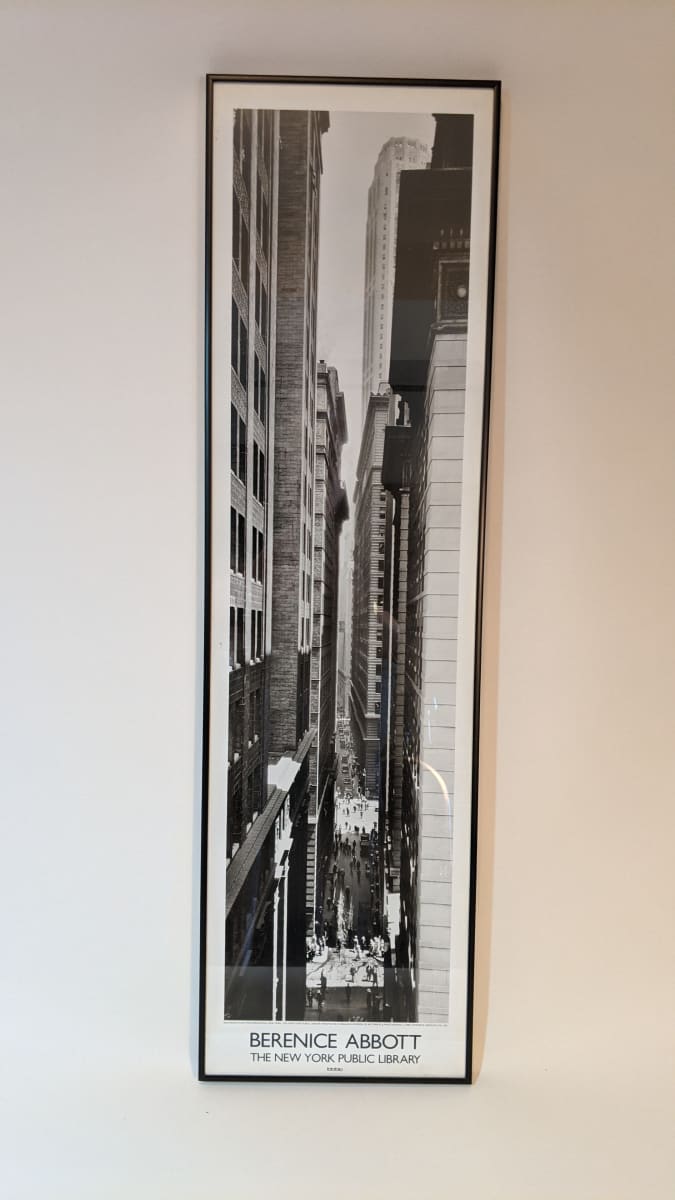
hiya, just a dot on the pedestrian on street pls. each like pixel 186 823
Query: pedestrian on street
pixel 324 983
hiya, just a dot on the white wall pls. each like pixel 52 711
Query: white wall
pixel 101 227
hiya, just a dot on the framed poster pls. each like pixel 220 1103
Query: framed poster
pixel 350 261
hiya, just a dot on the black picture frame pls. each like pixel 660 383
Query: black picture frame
pixel 409 368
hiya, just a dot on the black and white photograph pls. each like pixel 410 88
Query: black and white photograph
pixel 350 234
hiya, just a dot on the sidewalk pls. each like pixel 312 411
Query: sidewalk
pixel 337 969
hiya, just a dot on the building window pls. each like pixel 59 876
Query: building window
pixel 237 542
pixel 263 311
pixel 258 205
pixel 260 304
pixel 233 637
pixel 242 450
pixel 245 153
pixel 258 473
pixel 241 544
pixel 234 438
pixel 236 218
pixel 240 636
pixel 259 390
pixel 233 539
pixel 265 228
pixel 268 137
pixel 258 555
pixel 242 143
pixel 240 241
pixel 235 337
pixel 236 636
pixel 256 634
pixel 262 217
pixel 239 344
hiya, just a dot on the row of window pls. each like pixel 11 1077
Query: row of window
pixel 256 634
pixel 240 256
pixel 262 217
pixel 244 803
pixel 240 364
pixel 265 138
pixel 261 306
pixel 242 143
pixel 258 555
pixel 237 650
pixel 309 449
pixel 308 496
pixel 238 547
pixel 258 473
pixel 237 444
pixel 237 542
pixel 239 356
pixel 235 740
pixel 259 390
pixel 238 455
pixel 240 240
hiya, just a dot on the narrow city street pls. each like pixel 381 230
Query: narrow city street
pixel 345 974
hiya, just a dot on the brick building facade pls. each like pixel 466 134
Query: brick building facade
pixel 291 731
pixel 276 179
pixel 254 235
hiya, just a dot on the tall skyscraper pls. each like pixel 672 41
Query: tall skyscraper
pixel 345 620
pixel 276 180
pixel 398 154
pixel 250 844
pixel 423 471
pixel 331 509
pixel 291 731
pixel 370 524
